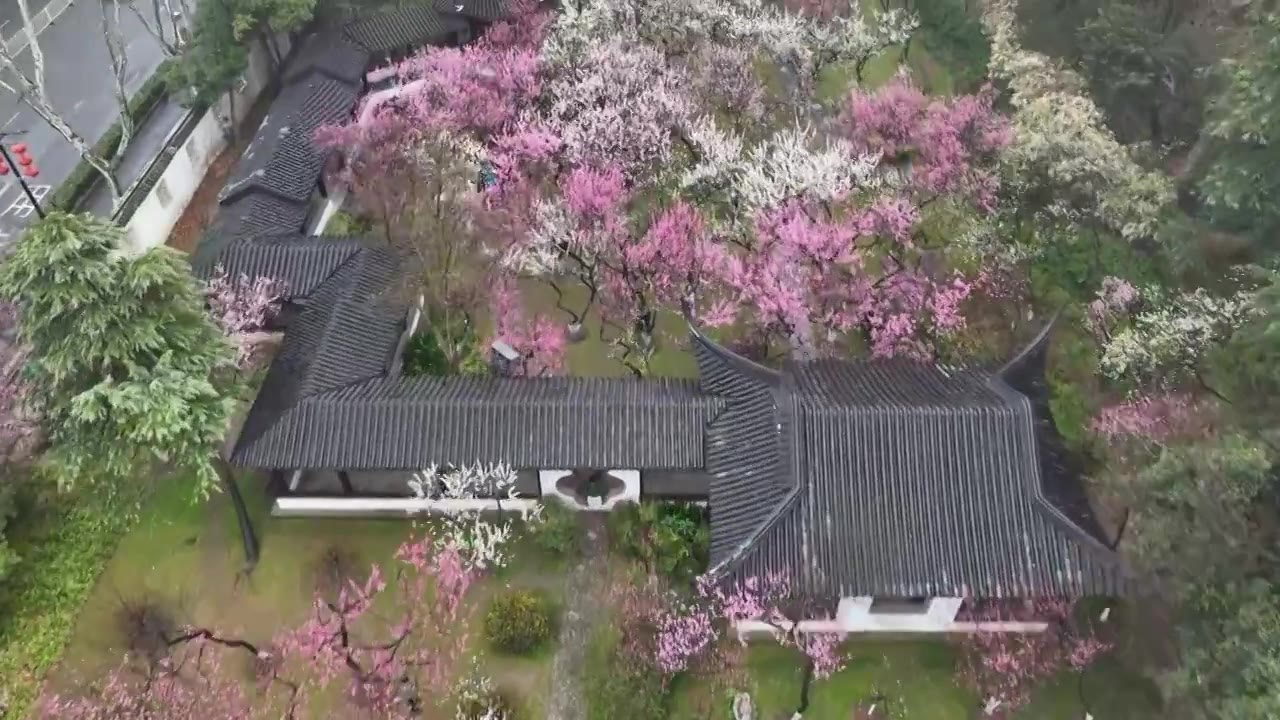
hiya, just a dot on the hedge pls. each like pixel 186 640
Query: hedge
pixel 62 542
pixel 83 177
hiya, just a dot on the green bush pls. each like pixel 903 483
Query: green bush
pixel 63 541
pixel 494 703
pixel 956 38
pixel 670 538
pixel 423 356
pixel 345 224
pixel 620 685
pixel 83 177
pixel 557 533
pixel 518 622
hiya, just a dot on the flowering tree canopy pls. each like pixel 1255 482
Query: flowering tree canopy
pixel 1005 667
pixel 243 307
pixel 619 168
pixel 688 630
pixel 391 668
pixel 1063 150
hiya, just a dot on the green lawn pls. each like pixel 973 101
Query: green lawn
pixel 186 559
pixel 911 678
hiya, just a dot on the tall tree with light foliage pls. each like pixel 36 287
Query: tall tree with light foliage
pixel 126 369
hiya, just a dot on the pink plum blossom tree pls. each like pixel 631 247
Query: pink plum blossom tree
pixel 385 667
pixel 688 631
pixel 243 307
pixel 611 177
pixel 946 146
pixel 1005 667
pixel 190 684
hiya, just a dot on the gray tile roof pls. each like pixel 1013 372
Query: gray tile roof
pixel 407 423
pixel 282 159
pixel 404 29
pixel 327 53
pixel 485 10
pixel 745 447
pixel 345 335
pixel 251 214
pixel 898 480
pixel 330 399
pixel 302 262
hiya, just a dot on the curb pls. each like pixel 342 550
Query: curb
pixel 17 42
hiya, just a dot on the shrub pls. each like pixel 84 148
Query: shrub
pixel 63 541
pixel 83 176
pixel 557 533
pixel 670 538
pixel 345 224
pixel 955 36
pixel 518 622
pixel 423 356
pixel 493 704
pixel 619 683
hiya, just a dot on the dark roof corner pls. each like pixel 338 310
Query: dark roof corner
pixel 1060 496
pixel 724 372
pixel 1026 371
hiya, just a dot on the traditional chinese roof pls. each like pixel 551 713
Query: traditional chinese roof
pixel 892 478
pixel 250 215
pixel 282 159
pixel 483 10
pixel 329 54
pixel 301 262
pixel 403 29
pixel 333 398
pixel 269 191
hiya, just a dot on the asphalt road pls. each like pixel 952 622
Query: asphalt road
pixel 79 82
pixel 11 17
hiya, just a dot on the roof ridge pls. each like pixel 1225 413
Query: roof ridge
pixel 338 304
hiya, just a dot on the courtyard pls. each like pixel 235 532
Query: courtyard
pixel 197 580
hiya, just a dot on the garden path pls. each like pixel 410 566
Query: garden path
pixel 584 608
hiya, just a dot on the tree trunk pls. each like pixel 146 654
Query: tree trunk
pixel 119 66
pixel 247 536
pixel 233 132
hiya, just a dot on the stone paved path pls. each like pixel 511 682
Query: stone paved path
pixel 583 609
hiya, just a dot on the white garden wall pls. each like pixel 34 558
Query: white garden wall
pixel 164 204
pixel 856 615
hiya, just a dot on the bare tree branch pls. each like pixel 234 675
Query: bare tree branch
pixel 37 55
pixel 114 38
pixel 33 92
pixel 156 31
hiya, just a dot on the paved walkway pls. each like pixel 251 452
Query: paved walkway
pixel 584 608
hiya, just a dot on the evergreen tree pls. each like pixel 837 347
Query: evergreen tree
pixel 126 368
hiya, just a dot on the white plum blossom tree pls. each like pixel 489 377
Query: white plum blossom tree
pixel 790 164
pixel 1168 339
pixel 1062 144
pixel 481 542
